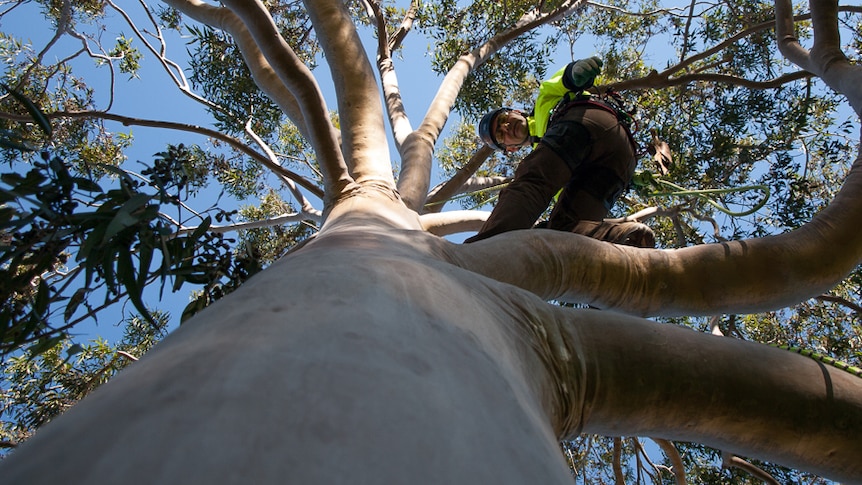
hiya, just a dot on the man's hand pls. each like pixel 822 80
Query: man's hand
pixel 582 73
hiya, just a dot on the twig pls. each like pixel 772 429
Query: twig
pixel 730 460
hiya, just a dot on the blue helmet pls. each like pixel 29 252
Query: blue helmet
pixel 485 131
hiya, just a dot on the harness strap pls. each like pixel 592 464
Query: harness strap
pixel 625 118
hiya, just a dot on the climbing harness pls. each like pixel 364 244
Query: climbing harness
pixel 610 101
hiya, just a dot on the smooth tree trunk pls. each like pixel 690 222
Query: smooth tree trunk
pixel 367 357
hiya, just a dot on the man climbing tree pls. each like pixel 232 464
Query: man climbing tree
pixel 583 143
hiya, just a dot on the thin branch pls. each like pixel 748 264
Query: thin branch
pixel 453 222
pixel 730 460
pixel 235 143
pixel 172 68
pixel 663 79
pixel 127 355
pixel 398 119
pixel 841 301
pixel 678 469
pixel 62 26
pixel 304 203
pixel 619 478
pixel 8 444
pixel 662 11
pixel 405 27
pixel 454 184
pixel 279 220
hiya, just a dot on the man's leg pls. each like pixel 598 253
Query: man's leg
pixel 589 196
pixel 538 178
pixel 626 233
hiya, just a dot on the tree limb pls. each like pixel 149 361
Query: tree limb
pixel 261 71
pixel 278 220
pixel 453 222
pixel 747 276
pixel 730 460
pixel 655 80
pixel 599 351
pixel 825 59
pixel 303 202
pixel 672 454
pixel 454 184
pixel 665 79
pixel 841 301
pixel 619 478
pixel 398 119
pixel 299 81
pixel 365 148
pixel 233 142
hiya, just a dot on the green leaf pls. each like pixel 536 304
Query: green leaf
pixel 87 184
pixel 11 145
pixel 37 114
pixel 124 217
pixel 76 299
pixel 74 350
pixel 44 344
pixel 195 306
pixel 126 276
pixel 42 297
pixel 145 257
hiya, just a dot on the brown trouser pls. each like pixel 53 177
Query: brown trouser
pixel 605 157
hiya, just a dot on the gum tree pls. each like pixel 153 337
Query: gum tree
pixel 380 352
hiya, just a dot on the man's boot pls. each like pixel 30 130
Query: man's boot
pixel 627 233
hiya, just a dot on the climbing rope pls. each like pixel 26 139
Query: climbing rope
pixel 646 179
pixel 824 359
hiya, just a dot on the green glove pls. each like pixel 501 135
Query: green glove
pixel 582 73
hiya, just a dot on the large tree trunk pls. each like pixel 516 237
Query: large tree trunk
pixel 366 357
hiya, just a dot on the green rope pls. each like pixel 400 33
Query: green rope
pixel 702 193
pixel 823 358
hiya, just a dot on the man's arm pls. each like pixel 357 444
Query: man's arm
pixel 579 75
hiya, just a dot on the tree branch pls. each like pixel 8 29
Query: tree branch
pixel 174 71
pixel 363 133
pixel 264 76
pixel 250 20
pixel 453 222
pixel 398 119
pixel 303 202
pixel 619 478
pixel 278 220
pixel 746 276
pixel 730 460
pixel 825 59
pixel 665 79
pixel 598 352
pixel 672 454
pixel 662 80
pixel 233 142
pixel 457 181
